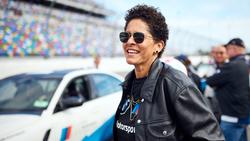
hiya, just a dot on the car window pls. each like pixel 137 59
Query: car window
pixel 26 93
pixel 104 84
pixel 7 90
pixel 77 87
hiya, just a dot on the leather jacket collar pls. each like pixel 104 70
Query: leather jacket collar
pixel 149 84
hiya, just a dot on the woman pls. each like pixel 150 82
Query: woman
pixel 158 102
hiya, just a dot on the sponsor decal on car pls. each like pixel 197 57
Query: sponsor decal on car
pixel 66 133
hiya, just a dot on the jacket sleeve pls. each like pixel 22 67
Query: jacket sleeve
pixel 194 116
pixel 219 79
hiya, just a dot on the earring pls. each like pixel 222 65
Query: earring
pixel 155 52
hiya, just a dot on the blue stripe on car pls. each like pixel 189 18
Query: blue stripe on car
pixel 103 133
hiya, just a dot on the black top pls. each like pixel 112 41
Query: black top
pixel 125 123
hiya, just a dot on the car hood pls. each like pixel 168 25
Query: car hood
pixel 12 125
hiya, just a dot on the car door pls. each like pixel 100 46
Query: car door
pixel 102 94
pixel 68 123
pixel 106 92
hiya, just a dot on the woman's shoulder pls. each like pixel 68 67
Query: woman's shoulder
pixel 176 64
pixel 174 76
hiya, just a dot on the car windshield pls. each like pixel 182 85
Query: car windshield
pixel 26 94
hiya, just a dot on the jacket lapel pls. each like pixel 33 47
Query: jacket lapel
pixel 148 87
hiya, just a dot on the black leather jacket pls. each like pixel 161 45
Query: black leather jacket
pixel 187 117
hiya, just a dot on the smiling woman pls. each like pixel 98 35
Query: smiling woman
pixel 155 94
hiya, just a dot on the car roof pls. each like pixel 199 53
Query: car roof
pixel 57 74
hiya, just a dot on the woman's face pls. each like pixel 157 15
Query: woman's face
pixel 140 54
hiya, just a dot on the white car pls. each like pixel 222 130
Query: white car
pixel 62 105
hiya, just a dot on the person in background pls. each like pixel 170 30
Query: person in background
pixel 231 86
pixel 97 60
pixel 220 56
pixel 175 63
pixel 158 101
pixel 191 71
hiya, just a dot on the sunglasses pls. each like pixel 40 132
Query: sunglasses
pixel 138 37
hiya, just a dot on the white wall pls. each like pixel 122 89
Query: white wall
pixel 10 66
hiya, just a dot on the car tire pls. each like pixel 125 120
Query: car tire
pixel 46 136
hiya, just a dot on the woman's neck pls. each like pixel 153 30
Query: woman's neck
pixel 143 70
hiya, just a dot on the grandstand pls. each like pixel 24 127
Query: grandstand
pixel 75 28
pixel 56 28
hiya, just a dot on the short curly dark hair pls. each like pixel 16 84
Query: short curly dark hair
pixel 154 19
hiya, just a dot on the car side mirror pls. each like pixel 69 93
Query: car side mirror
pixel 72 101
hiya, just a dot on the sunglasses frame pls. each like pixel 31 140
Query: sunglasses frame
pixel 138 37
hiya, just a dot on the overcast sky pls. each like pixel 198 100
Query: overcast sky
pixel 216 19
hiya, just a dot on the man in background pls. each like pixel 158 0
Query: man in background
pixel 231 85
pixel 220 56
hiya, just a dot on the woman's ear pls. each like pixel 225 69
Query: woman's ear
pixel 159 46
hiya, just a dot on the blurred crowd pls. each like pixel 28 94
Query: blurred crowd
pixel 29 29
pixel 226 87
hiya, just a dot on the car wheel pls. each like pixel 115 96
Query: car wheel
pixel 46 136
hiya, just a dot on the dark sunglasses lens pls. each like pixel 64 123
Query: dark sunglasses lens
pixel 138 37
pixel 124 36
